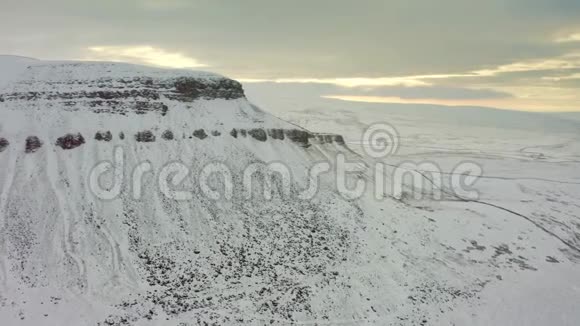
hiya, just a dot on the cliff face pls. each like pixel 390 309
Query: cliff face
pixel 99 90
pixel 45 97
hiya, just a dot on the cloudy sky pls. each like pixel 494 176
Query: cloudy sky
pixel 518 54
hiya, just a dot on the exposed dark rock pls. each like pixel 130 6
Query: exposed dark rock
pixel 3 144
pixel 309 235
pixel 200 133
pixel 474 246
pixel 123 95
pixel 167 135
pixel 188 89
pixel 234 133
pixel 552 260
pixel 32 144
pixel 298 136
pixel 502 249
pixel 96 105
pixel 339 139
pixel 100 95
pixel 145 136
pixel 216 133
pixel 164 109
pixel 122 135
pixel 276 134
pixel 70 141
pixel 103 136
pixel 258 134
pixel 243 132
pixel 327 139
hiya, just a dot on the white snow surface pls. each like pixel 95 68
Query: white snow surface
pixel 12 66
pixel 68 257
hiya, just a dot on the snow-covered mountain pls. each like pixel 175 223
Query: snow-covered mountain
pixel 215 260
pixel 70 256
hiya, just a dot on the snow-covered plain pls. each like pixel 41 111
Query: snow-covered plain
pixel 531 167
pixel 70 258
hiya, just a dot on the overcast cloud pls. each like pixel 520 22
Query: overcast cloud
pixel 526 50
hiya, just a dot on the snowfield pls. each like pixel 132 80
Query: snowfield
pixel 531 167
pixel 68 257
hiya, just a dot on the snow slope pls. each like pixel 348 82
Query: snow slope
pixel 134 260
pixel 70 257
pixel 11 66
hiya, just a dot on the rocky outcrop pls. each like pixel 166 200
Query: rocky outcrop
pixel 329 138
pixel 298 136
pixel 258 134
pixel 276 134
pixel 3 144
pixel 190 89
pixel 145 136
pixel 301 137
pixel 106 95
pixel 167 135
pixel 70 141
pixel 200 133
pixel 33 143
pixel 104 136
pixel 92 86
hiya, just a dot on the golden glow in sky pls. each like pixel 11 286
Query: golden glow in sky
pixel 143 55
pixel 520 54
pixel 527 96
pixel 539 94
pixel 569 38
pixel 507 104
